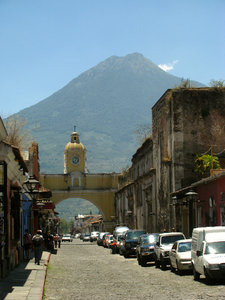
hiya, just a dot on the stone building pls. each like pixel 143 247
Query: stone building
pixel 185 122
pixel 133 202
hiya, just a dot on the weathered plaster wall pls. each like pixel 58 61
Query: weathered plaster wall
pixel 185 123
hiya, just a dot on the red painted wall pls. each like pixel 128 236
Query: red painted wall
pixel 211 214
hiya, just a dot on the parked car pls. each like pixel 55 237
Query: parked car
pixel 109 241
pixel 94 236
pixel 163 247
pixel 120 244
pixel 208 252
pixel 130 242
pixel 101 237
pixel 120 230
pixel 118 234
pixel 67 238
pixel 86 237
pixel 105 239
pixel 115 246
pixel 180 256
pixel 145 248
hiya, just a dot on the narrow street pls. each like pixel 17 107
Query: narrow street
pixel 83 270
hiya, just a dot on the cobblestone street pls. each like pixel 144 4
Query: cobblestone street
pixel 83 270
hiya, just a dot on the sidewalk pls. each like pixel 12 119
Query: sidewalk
pixel 25 282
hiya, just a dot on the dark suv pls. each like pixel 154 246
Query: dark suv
pixel 146 247
pixel 130 242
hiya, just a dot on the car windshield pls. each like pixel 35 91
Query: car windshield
pixel 215 248
pixel 184 247
pixel 133 235
pixel 170 239
pixel 149 239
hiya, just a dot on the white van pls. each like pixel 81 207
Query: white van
pixel 208 252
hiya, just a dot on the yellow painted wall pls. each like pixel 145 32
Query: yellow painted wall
pixel 88 181
pixel 99 189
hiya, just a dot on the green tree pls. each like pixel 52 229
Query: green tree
pixel 217 83
pixel 204 163
pixel 64 226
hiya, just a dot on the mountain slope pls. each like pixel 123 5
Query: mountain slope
pixel 107 104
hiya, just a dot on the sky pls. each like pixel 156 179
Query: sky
pixel 45 44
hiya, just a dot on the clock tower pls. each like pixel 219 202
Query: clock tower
pixel 74 155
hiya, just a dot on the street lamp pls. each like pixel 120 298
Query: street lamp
pixel 191 194
pixel 30 184
pixel 40 205
pixel 191 198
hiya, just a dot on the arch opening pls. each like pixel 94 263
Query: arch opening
pixel 69 208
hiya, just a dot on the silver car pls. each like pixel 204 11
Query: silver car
pixel 180 256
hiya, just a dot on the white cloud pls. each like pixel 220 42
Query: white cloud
pixel 168 67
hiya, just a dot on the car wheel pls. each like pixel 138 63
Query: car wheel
pixel 207 277
pixel 196 274
pixel 126 255
pixel 179 271
pixel 172 268
pixel 143 262
pixel 138 259
pixel 163 264
pixel 113 250
pixel 157 263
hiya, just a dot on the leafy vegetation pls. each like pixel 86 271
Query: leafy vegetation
pixel 143 132
pixel 205 162
pixel 217 83
pixel 66 226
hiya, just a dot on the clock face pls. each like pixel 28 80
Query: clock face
pixel 75 160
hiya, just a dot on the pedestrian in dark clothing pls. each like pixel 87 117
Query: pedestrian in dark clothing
pixel 56 240
pixel 37 242
pixel 50 243
pixel 27 244
pixel 59 241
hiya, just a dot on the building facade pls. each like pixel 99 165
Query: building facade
pixel 185 122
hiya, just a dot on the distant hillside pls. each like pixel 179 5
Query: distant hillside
pixel 107 104
pixel 70 208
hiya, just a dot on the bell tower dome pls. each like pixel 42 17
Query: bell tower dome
pixel 74 155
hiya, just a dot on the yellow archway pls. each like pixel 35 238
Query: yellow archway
pixel 99 189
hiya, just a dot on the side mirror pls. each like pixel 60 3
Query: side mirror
pixel 157 244
pixel 199 253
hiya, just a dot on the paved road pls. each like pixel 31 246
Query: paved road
pixel 83 270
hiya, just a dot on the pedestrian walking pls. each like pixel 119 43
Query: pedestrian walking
pixel 55 238
pixel 37 242
pixel 50 243
pixel 27 241
pixel 59 241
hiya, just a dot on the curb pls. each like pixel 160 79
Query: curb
pixel 45 272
